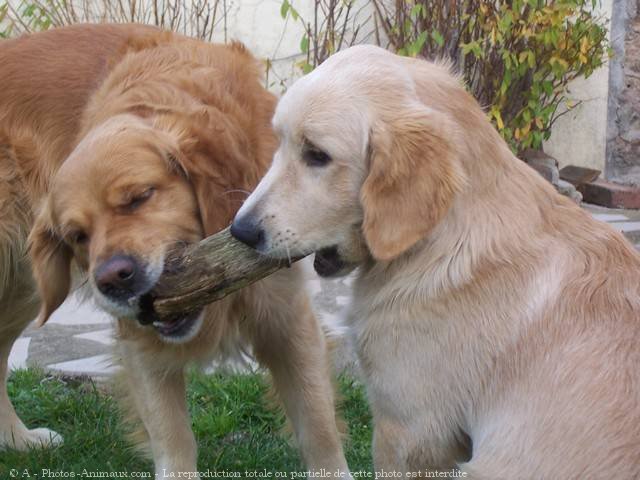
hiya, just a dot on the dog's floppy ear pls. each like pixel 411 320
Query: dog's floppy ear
pixel 214 154
pixel 412 181
pixel 206 180
pixel 51 265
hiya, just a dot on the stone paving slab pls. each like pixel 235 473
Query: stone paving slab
pixel 78 339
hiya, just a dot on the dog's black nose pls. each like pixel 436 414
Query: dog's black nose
pixel 117 276
pixel 247 230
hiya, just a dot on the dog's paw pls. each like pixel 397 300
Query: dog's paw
pixel 30 439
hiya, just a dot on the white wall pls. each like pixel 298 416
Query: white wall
pixel 580 136
pixel 259 25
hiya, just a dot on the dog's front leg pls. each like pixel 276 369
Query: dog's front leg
pixel 159 398
pixel 291 344
pixel 401 449
pixel 16 311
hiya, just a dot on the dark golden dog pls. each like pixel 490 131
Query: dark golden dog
pixel 119 144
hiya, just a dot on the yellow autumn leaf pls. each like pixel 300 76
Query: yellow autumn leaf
pixel 584 45
pixel 498 117
pixel 559 60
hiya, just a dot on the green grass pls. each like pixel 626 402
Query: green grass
pixel 235 424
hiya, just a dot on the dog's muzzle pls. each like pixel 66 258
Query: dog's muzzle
pixel 171 328
pixel 328 262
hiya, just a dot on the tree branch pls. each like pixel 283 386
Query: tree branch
pixel 209 271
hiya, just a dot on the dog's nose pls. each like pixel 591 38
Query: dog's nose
pixel 116 277
pixel 247 230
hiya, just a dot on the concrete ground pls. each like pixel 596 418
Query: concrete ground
pixel 78 339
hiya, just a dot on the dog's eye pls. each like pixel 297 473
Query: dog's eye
pixel 315 158
pixel 79 237
pixel 139 199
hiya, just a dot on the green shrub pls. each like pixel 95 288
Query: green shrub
pixel 517 56
pixel 5 25
pixel 32 16
pixel 328 31
pixel 196 18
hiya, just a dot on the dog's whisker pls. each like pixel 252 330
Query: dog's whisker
pixel 286 246
pixel 237 190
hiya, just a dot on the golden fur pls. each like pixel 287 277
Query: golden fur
pixel 125 139
pixel 497 324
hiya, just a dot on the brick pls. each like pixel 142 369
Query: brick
pixel 578 175
pixel 612 195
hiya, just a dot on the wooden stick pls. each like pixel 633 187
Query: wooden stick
pixel 209 271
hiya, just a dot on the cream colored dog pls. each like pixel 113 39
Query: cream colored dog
pixel 497 324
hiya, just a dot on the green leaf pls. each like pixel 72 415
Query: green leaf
pixel 284 8
pixel 304 44
pixel 532 59
pixel 438 38
pixel 537 139
pixel 294 13
pixel 416 10
pixel 507 77
pixel 535 91
pixel 415 47
pixel 473 47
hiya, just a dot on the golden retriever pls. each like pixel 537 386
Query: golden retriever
pixel 119 145
pixel 496 323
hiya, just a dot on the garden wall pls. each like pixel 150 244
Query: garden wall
pixel 623 134
pixel 580 136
